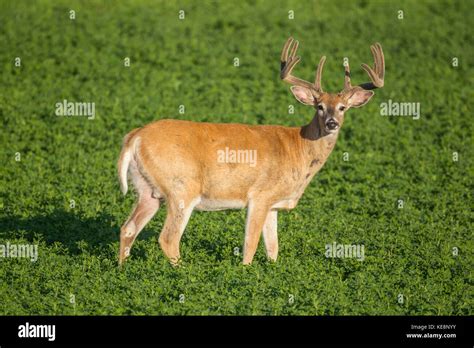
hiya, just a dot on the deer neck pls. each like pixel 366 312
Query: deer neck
pixel 317 143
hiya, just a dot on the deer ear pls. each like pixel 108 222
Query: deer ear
pixel 359 98
pixel 303 95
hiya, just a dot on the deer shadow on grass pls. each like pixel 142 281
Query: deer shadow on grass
pixel 72 231
pixel 77 233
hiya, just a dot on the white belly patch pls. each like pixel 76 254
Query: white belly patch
pixel 219 204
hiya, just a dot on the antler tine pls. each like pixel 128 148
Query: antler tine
pixel 347 76
pixel 319 70
pixel 284 52
pixel 288 61
pixel 294 47
pixel 381 59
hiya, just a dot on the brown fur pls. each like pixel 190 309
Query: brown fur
pixel 178 159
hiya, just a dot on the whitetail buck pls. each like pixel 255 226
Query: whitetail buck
pixel 177 162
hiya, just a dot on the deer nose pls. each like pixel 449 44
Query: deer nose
pixel 332 124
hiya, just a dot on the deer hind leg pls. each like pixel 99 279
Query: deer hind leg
pixel 144 210
pixel 178 214
pixel 270 236
pixel 256 215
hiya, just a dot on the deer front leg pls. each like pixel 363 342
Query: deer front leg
pixel 270 236
pixel 178 214
pixel 256 215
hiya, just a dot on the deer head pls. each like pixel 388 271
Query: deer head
pixel 331 106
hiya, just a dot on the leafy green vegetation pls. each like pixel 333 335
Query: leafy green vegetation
pixel 59 188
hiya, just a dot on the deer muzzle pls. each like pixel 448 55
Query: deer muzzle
pixel 332 124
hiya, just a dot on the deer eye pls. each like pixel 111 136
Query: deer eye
pixel 320 107
pixel 342 108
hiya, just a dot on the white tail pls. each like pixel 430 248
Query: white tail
pixel 126 155
pixel 208 166
pixel 124 162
